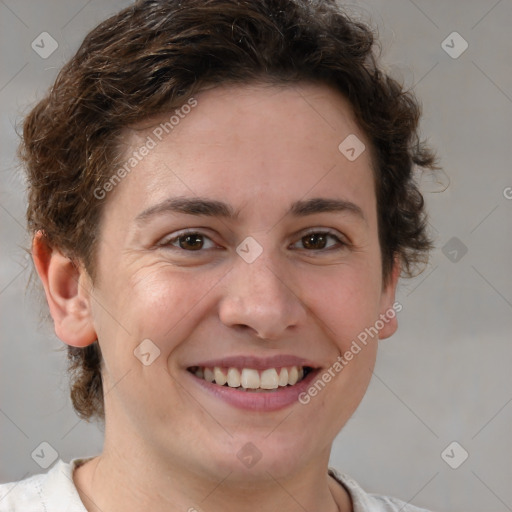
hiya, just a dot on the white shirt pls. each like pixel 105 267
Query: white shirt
pixel 55 491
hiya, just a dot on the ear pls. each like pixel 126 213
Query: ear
pixel 67 291
pixel 388 307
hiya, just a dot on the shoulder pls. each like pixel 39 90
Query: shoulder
pixel 43 492
pixel 364 502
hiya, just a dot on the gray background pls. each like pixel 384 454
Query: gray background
pixel 445 376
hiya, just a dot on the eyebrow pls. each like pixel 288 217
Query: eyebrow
pixel 212 208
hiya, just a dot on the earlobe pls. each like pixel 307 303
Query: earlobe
pixel 66 292
pixel 389 307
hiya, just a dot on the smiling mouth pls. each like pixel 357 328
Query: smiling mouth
pixel 250 379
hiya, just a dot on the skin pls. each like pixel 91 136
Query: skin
pixel 170 447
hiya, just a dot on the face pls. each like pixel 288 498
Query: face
pixel 270 261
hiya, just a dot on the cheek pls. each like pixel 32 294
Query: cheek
pixel 346 300
pixel 151 305
pixel 162 302
pixel 151 313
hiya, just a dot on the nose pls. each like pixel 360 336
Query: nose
pixel 263 298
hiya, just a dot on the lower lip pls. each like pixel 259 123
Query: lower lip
pixel 259 401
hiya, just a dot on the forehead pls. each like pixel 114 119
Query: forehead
pixel 238 143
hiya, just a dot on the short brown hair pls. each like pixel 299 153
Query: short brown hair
pixel 155 55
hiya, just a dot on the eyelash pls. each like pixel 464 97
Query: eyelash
pixel 168 243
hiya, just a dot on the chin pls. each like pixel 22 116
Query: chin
pixel 273 455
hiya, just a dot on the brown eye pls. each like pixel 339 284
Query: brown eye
pixel 314 241
pixel 318 240
pixel 192 242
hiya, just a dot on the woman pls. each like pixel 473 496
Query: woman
pixel 221 200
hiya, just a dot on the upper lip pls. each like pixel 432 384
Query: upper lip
pixel 257 363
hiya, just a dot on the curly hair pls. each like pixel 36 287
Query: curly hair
pixel 155 55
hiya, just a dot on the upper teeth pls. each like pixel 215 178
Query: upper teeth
pixel 249 378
